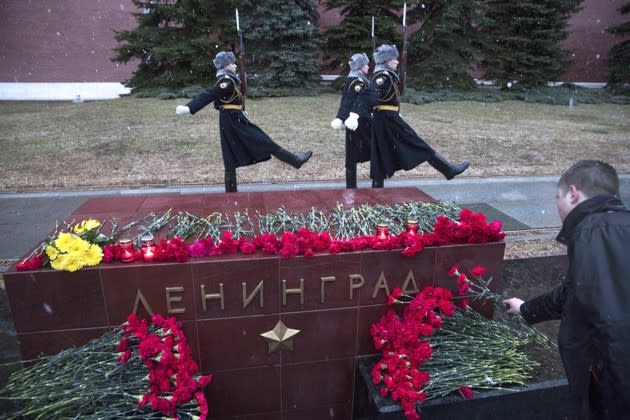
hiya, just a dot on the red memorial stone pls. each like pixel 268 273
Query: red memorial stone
pixel 280 336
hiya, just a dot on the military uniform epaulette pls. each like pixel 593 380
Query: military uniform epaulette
pixel 383 76
pixel 357 85
pixel 387 86
pixel 225 81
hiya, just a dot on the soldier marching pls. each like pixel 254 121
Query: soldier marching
pixel 242 142
pixel 358 140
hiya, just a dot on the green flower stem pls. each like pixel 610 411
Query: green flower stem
pixel 340 222
pixel 155 223
pixel 84 383
pixel 471 350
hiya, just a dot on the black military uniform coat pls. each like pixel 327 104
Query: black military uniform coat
pixel 242 143
pixel 358 141
pixel 593 303
pixel 395 145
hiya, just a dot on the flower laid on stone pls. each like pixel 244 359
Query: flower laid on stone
pixel 280 233
pixel 437 347
pixel 69 252
pixel 71 248
pixel 144 369
pixel 77 247
pixel 162 347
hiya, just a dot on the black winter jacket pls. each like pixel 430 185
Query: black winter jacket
pixel 593 303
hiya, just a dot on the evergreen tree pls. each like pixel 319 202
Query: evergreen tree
pixel 282 37
pixel 522 40
pixel 619 56
pixel 175 42
pixel 445 47
pixel 354 33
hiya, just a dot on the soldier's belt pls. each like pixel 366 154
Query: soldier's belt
pixel 232 107
pixel 387 108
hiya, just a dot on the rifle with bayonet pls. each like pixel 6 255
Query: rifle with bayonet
pixel 373 36
pixel 403 56
pixel 241 56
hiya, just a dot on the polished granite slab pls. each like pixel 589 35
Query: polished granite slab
pixel 225 303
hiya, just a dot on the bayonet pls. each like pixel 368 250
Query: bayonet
pixel 241 56
pixel 403 57
pixel 373 37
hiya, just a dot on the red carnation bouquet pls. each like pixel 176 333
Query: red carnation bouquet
pixel 438 345
pixel 144 369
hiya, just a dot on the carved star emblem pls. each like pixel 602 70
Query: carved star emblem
pixel 280 338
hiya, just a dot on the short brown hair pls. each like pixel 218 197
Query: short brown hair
pixel 592 177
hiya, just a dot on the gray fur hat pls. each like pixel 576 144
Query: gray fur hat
pixel 357 61
pixel 384 53
pixel 223 59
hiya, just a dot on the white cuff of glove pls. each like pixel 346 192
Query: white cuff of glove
pixel 337 124
pixel 352 122
pixel 182 110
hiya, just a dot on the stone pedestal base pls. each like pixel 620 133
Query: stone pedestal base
pixel 225 303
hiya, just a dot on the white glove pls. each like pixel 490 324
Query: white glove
pixel 352 122
pixel 337 124
pixel 182 110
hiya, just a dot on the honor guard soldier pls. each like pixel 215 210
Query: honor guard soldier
pixel 395 145
pixel 242 143
pixel 357 141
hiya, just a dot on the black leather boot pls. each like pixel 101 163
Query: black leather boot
pixel 351 177
pixel 378 183
pixel 230 180
pixel 446 168
pixel 294 160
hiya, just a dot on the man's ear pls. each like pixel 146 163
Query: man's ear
pixel 576 195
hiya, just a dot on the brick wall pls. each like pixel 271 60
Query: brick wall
pixel 589 40
pixel 62 40
pixel 72 40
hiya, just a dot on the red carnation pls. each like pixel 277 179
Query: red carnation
pixel 110 253
pixel 454 270
pixel 197 249
pixel 394 295
pixel 227 244
pixel 478 271
pixel 247 247
pixel 335 247
pixel 34 262
pixel 466 392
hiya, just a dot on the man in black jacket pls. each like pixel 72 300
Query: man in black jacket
pixel 593 301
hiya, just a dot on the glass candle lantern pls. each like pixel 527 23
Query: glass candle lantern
pixel 382 231
pixel 147 248
pixel 127 253
pixel 412 227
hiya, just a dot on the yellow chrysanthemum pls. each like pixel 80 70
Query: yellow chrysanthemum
pixel 86 226
pixel 75 246
pixel 52 252
pixel 60 262
pixel 74 263
pixel 63 240
pixel 93 256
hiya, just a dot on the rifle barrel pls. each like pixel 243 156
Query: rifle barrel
pixel 241 56
pixel 403 57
